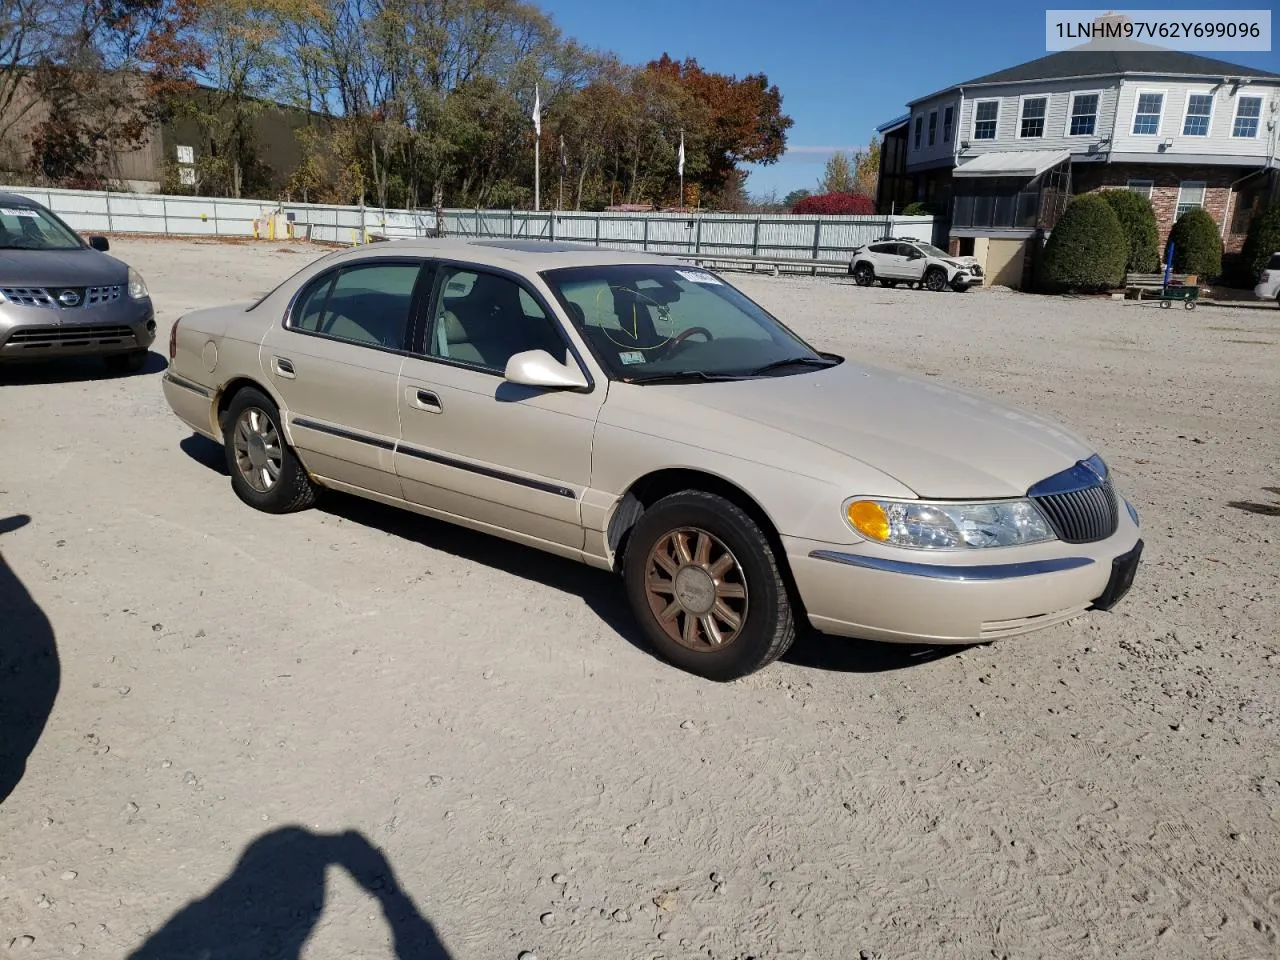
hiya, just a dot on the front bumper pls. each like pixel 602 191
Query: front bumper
pixel 909 596
pixel 46 333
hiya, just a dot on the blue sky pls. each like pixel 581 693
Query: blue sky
pixel 842 67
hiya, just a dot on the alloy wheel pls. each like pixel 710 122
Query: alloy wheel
pixel 259 454
pixel 696 589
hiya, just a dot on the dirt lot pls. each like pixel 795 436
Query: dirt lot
pixel 252 712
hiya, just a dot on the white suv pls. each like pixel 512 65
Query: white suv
pixel 1268 287
pixel 914 262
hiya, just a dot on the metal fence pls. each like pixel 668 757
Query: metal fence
pixel 798 239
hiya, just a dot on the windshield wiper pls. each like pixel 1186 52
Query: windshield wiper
pixel 792 361
pixel 684 376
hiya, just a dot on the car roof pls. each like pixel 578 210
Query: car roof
pixel 12 199
pixel 524 255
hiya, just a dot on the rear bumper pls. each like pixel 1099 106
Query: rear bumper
pixel 907 598
pixel 191 402
pixel 43 333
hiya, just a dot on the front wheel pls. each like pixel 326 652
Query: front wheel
pixel 265 473
pixel 936 280
pixel 706 587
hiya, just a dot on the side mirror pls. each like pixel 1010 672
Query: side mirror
pixel 100 243
pixel 537 368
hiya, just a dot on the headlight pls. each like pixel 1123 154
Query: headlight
pixel 137 286
pixel 948 526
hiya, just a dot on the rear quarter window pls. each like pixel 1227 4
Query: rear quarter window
pixel 1274 262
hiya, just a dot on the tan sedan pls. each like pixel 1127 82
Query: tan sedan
pixel 644 416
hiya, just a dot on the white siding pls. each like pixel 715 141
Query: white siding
pixel 942 148
pixel 1219 142
pixel 1056 115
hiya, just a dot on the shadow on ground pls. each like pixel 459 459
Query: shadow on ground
pixel 74 370
pixel 29 670
pixel 1261 509
pixel 270 903
pixel 601 591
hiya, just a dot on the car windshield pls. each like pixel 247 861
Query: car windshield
pixel 653 323
pixel 30 228
pixel 929 250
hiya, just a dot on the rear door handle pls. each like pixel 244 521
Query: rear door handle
pixel 285 368
pixel 428 401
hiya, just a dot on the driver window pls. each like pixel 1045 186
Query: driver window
pixel 483 320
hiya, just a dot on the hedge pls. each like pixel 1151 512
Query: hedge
pixel 1261 242
pixel 1138 221
pixel 1087 249
pixel 1197 246
pixel 834 204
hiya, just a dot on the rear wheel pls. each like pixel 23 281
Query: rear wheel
pixel 936 279
pixel 863 275
pixel 706 587
pixel 265 472
pixel 131 362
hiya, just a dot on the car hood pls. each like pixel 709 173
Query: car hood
pixel 60 268
pixel 938 441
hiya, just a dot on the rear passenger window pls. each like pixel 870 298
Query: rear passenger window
pixel 1274 263
pixel 366 304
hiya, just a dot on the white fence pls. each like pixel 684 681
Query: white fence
pixel 803 239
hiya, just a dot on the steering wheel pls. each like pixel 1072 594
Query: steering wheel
pixel 683 335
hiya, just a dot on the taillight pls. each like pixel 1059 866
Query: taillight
pixel 173 339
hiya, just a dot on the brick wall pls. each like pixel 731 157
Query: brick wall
pixel 1164 194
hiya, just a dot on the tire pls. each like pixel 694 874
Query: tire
pixel 936 280
pixel 131 362
pixel 749 586
pixel 863 274
pixel 251 421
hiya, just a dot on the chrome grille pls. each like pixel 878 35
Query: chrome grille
pixel 48 297
pixel 28 296
pixel 96 295
pixel 51 338
pixel 1082 516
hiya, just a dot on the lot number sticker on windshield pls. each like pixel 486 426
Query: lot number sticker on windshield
pixel 698 276
pixel 633 356
pixel 18 212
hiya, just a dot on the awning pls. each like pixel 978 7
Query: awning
pixel 1011 163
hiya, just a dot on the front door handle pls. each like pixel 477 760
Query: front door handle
pixel 284 368
pixel 428 401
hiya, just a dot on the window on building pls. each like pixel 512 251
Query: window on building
pixel 1199 113
pixel 1190 196
pixel 1084 115
pixel 985 115
pixel 1143 187
pixel 948 118
pixel 919 127
pixel 1248 112
pixel 933 128
pixel 1146 117
pixel 1033 111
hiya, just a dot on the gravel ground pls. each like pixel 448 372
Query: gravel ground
pixel 305 737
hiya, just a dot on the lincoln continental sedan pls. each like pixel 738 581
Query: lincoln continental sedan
pixel 645 417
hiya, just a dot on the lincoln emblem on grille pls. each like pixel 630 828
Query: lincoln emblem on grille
pixel 69 298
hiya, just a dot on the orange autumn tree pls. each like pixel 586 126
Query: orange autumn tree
pixel 730 121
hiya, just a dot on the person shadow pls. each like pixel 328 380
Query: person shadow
pixel 269 905
pixel 30 673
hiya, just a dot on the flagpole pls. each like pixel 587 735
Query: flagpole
pixel 537 153
pixel 681 203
